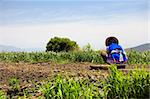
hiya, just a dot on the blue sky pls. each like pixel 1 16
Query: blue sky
pixel 27 24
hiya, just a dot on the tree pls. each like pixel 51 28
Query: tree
pixel 57 44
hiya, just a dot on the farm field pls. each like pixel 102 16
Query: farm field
pixel 74 49
pixel 24 78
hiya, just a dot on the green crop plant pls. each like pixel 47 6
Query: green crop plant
pixel 134 57
pixel 61 88
pixel 13 83
pixel 14 87
pixel 2 95
pixel 135 84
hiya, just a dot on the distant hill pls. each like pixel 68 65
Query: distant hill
pixel 5 48
pixel 143 47
pixel 34 49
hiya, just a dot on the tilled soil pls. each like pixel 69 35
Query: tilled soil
pixel 29 75
pixel 26 72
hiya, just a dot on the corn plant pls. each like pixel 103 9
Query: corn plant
pixel 80 56
pixel 134 85
pixel 60 88
pixel 2 95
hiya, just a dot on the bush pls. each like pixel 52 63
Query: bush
pixel 57 44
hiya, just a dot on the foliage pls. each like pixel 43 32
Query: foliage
pixel 134 57
pixel 51 56
pixel 60 88
pixel 87 48
pixel 13 82
pixel 2 95
pixel 135 84
pixel 57 44
pixel 116 85
pixel 14 87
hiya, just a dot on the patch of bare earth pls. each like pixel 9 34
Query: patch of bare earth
pixel 26 72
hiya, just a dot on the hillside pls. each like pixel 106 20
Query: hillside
pixel 5 48
pixel 143 47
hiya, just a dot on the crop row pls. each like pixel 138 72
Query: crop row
pixel 134 57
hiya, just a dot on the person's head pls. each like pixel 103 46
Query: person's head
pixel 111 40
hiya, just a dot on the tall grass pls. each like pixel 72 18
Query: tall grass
pixel 81 56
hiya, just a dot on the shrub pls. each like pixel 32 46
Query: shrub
pixel 57 44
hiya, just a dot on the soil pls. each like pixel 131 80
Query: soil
pixel 29 74
pixel 26 72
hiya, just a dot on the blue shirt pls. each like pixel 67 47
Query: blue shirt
pixel 116 52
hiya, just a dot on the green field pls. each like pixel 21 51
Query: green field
pixel 116 85
pixel 134 57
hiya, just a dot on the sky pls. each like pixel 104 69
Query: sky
pixel 31 23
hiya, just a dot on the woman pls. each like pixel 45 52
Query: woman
pixel 114 54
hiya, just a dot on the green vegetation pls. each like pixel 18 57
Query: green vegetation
pixel 59 88
pixel 14 84
pixel 2 95
pixel 135 57
pixel 57 44
pixel 135 84
pixel 116 85
pixel 14 87
pixel 80 56
pixel 51 56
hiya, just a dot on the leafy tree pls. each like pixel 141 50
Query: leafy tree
pixel 58 44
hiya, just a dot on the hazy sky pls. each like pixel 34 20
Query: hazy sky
pixel 31 23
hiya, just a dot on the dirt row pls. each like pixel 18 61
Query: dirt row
pixel 26 72
pixel 30 75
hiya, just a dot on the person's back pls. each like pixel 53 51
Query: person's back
pixel 115 53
